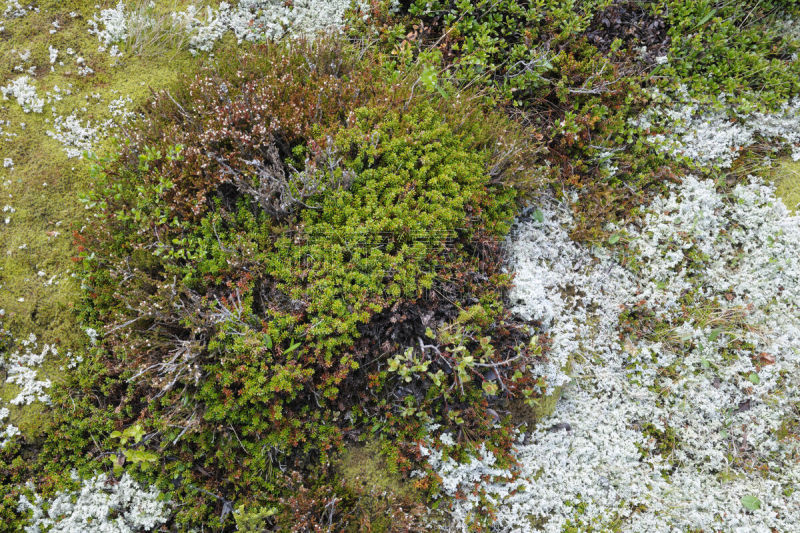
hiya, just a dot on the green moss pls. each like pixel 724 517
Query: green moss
pixel 535 409
pixel 786 177
pixel 44 183
pixel 790 425
pixel 542 407
pixel 666 440
pixel 369 477
pixel 364 469
pixel 39 294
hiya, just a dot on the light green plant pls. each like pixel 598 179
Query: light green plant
pixel 138 458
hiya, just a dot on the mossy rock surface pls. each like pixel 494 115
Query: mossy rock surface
pixel 543 406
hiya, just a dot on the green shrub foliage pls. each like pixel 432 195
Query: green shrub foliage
pixel 289 255
pixel 579 71
pixel 299 247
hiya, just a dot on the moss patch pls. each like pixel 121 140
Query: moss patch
pixel 37 290
pixel 786 177
pixel 522 411
pixel 371 479
pixel 364 469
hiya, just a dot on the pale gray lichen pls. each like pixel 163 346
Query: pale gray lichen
pixel 15 10
pixel 9 432
pixel 714 136
pixel 249 20
pixel 255 20
pixel 77 136
pixel 21 370
pixel 716 385
pixel 74 135
pixel 101 505
pixel 25 94
pixel 110 25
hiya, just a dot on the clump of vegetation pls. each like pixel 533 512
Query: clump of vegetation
pixel 286 256
pixel 743 52
pixel 551 68
pixel 579 73
pixel 292 267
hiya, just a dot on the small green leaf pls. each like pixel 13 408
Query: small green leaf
pixel 754 379
pixel 140 456
pixel 135 431
pixel 428 78
pixel 490 388
pixel 714 334
pixel 538 216
pixel 750 502
pixel 614 239
pixel 291 348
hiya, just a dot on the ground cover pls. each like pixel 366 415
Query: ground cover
pixel 491 266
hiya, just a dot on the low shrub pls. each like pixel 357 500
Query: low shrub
pixel 541 63
pixel 744 52
pixel 288 255
pixel 580 72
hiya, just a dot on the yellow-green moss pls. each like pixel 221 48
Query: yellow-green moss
pixel 37 291
pixel 364 469
pixel 368 477
pixel 523 411
pixel 786 177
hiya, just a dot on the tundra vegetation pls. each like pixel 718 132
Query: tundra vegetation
pixel 399 266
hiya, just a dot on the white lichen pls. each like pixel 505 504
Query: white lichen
pixel 15 10
pixel 254 20
pixel 9 432
pixel 25 94
pixel 21 370
pixel 75 136
pixel 110 25
pixel 101 504
pixel 670 430
pixel 249 20
pixel 714 136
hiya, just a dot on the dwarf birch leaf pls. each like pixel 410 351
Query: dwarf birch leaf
pixel 750 502
pixel 428 78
